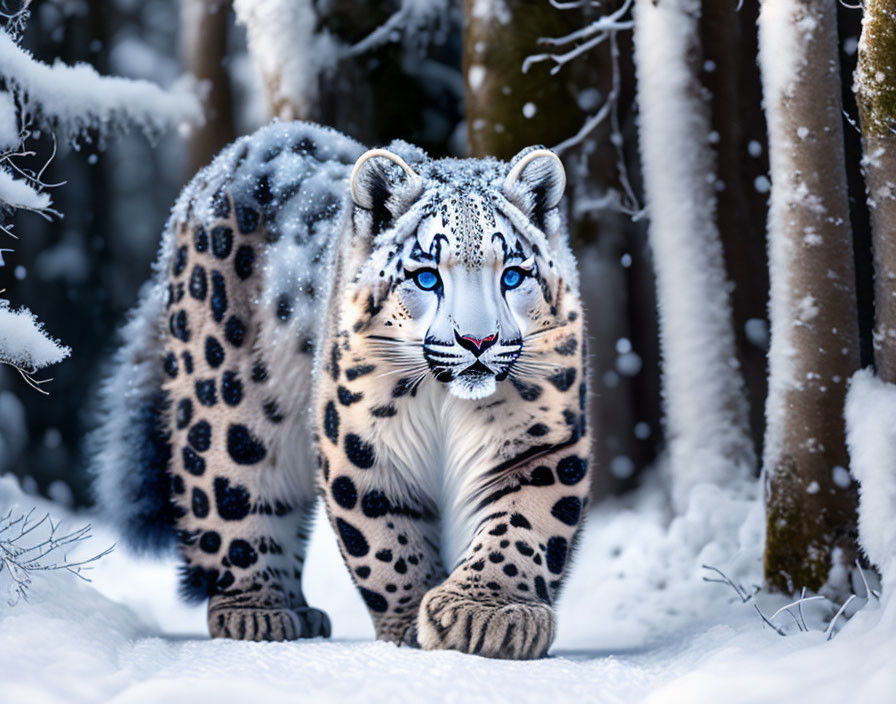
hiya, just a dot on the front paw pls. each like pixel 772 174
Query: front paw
pixel 515 631
pixel 244 620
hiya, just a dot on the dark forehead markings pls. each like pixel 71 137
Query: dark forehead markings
pixel 417 253
pixel 436 247
pixel 499 236
pixel 469 233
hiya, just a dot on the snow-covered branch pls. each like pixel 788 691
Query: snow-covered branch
pixel 25 345
pixel 591 36
pixel 76 98
pixel 67 100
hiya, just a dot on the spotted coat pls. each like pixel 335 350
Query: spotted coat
pixel 301 350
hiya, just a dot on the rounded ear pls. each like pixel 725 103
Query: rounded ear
pixel 383 183
pixel 371 181
pixel 535 182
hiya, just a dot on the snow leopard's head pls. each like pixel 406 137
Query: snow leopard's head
pixel 463 266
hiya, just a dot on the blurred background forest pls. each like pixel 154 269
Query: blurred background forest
pixel 446 75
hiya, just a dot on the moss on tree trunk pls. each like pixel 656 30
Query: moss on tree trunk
pixel 876 96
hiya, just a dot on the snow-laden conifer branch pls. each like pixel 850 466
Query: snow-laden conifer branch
pixel 19 560
pixel 67 100
pixel 76 98
pixel 26 346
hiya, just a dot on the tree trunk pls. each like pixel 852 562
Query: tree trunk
pixel 876 96
pixel 203 49
pixel 810 499
pixel 508 110
pixel 743 236
pixel 706 411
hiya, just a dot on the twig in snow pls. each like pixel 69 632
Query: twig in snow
pixel 741 592
pixel 22 561
pixel 799 618
pixel 830 628
pixel 868 589
pixel 799 608
pixel 767 622
pixel 798 603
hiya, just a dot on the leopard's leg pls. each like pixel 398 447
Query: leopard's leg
pixel 242 471
pixel 498 602
pixel 390 548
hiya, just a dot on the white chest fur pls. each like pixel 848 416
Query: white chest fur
pixel 436 450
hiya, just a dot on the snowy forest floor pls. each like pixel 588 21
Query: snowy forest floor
pixel 636 622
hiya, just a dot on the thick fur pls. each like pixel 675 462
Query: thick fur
pixel 130 449
pixel 289 347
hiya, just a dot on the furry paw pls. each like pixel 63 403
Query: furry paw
pixel 515 631
pixel 242 620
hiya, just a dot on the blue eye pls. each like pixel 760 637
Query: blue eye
pixel 427 279
pixel 512 278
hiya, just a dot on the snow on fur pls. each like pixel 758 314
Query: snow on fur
pixel 23 341
pixel 871 435
pixel 706 410
pixel 129 451
pixel 129 448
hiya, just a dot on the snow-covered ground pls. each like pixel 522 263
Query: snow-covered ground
pixel 636 623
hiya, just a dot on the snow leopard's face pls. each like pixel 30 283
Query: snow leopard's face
pixel 466 282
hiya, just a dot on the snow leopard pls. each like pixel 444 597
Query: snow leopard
pixel 399 335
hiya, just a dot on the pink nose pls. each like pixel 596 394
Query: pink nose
pixel 477 345
pixel 479 341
